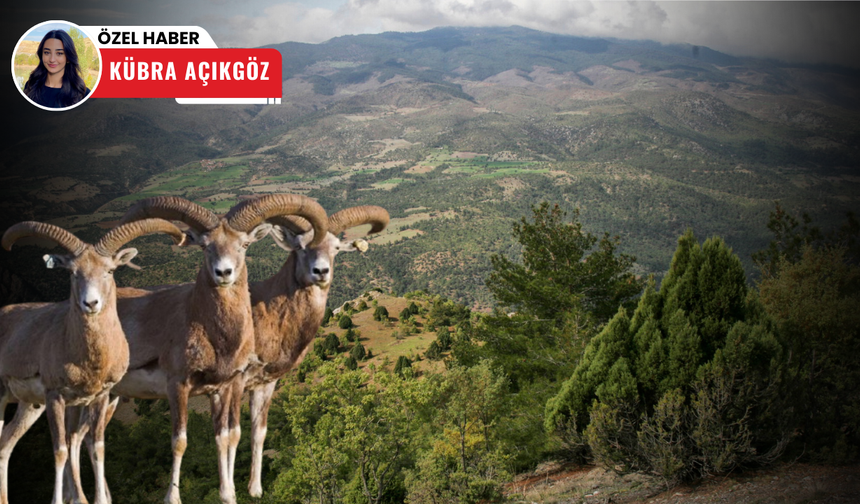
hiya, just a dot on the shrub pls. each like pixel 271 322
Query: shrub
pixel 433 352
pixel 380 314
pixel 350 363
pixel 403 363
pixel 444 340
pixel 350 335
pixel 692 384
pixel 331 344
pixel 358 353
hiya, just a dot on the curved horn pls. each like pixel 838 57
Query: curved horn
pixel 347 218
pixel 54 233
pixel 249 213
pixel 296 224
pixel 172 208
pixel 120 235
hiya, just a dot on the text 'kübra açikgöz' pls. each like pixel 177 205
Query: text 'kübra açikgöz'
pixel 203 71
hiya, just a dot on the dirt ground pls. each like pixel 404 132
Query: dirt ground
pixel 787 483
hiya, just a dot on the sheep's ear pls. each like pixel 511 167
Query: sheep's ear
pixel 194 238
pixel 360 245
pixel 56 261
pixel 288 240
pixel 260 232
pixel 124 257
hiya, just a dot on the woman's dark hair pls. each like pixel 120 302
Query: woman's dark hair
pixel 74 89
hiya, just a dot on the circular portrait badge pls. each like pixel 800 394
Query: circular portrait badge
pixel 56 65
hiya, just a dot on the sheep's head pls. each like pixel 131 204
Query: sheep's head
pixel 91 266
pixel 225 240
pixel 224 250
pixel 314 257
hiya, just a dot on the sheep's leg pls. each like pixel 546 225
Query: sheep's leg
pixel 111 409
pixel 25 416
pixel 219 402
pixel 74 452
pixel 56 405
pixel 235 422
pixel 77 426
pixel 261 400
pixel 177 395
pixel 98 420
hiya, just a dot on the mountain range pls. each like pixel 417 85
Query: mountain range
pixel 458 132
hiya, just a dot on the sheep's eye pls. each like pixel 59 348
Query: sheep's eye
pixel 110 272
pixel 246 245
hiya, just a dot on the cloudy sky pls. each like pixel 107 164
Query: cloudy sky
pixel 812 32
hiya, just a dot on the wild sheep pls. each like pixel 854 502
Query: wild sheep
pixel 68 353
pixel 288 308
pixel 197 338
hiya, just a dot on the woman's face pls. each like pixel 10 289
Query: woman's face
pixel 54 56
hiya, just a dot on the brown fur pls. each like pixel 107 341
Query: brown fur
pixel 286 319
pixel 197 333
pixel 70 351
pixel 288 309
pixel 200 337
pixel 75 357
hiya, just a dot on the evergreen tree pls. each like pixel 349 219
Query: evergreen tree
pixel 810 285
pixel 358 352
pixel 671 388
pixel 345 322
pixel 403 363
pixel 331 344
pixel 380 314
pixel 350 363
pixel 568 283
pixel 327 316
pixel 444 340
pixel 433 351
pixel 562 271
pixel 320 349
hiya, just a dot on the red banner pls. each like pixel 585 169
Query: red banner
pixel 189 73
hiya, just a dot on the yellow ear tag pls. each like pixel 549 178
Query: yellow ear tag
pixel 360 245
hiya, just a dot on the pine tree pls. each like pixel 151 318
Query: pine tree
pixel 350 363
pixel 691 358
pixel 811 287
pixel 444 340
pixel 564 269
pixel 403 363
pixel 350 335
pixel 358 352
pixel 332 344
pixel 380 314
pixel 568 283
pixel 433 352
